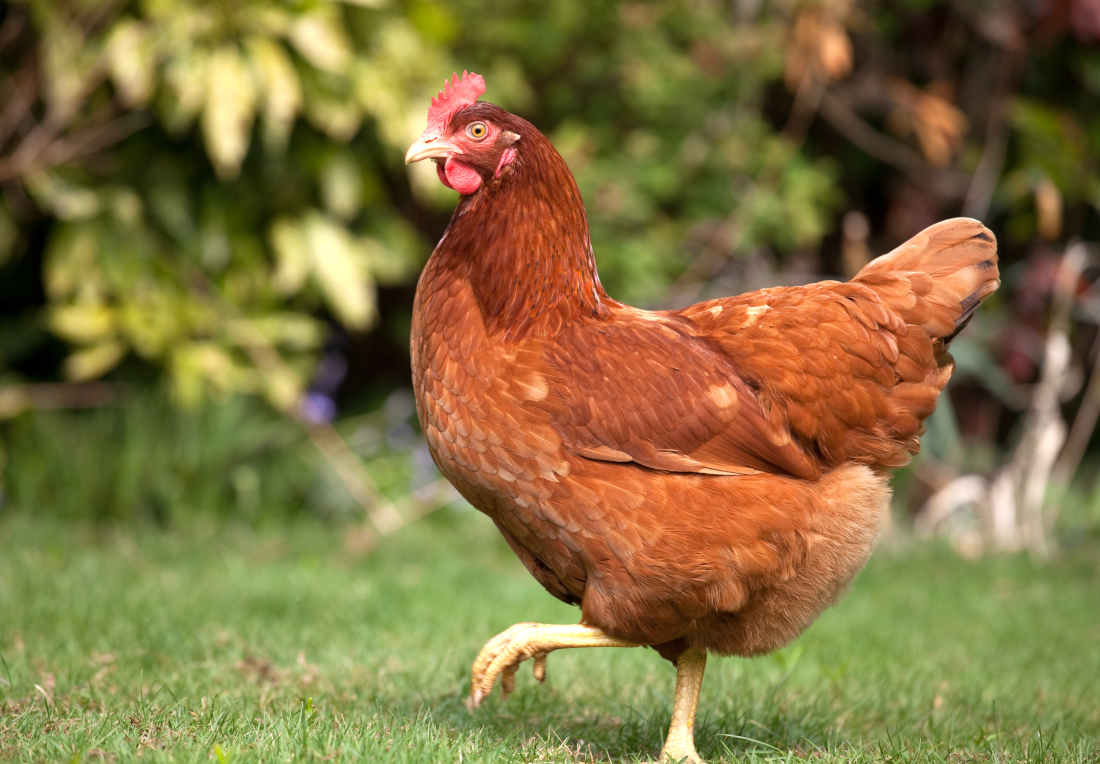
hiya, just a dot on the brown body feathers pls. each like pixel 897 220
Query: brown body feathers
pixel 706 477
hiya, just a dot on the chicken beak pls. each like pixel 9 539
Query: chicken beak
pixel 431 147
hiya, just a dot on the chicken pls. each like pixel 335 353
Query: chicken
pixel 700 480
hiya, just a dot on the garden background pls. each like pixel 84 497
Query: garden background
pixel 221 535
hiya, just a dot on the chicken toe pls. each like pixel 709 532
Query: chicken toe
pixel 502 655
pixel 538 669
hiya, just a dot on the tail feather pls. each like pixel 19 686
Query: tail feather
pixel 938 278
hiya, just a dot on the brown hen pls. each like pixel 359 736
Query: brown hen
pixel 706 479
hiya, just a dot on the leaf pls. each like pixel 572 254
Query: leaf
pixel 69 65
pixel 158 317
pixel 942 438
pixel 229 110
pixel 397 116
pixel 295 330
pixel 125 205
pixel 1052 142
pixel 341 185
pixel 395 253
pixel 196 364
pixel 94 361
pixel 319 37
pixel 435 22
pixel 387 265
pixel 283 387
pixel 131 59
pixel 185 94
pixel 338 116
pixel 82 321
pixel 64 199
pixel 339 270
pixel 291 255
pixel 282 90
pixel 72 261
pixel 170 203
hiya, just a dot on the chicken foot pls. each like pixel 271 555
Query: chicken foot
pixel 502 655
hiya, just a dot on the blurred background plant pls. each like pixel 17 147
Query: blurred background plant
pixel 209 242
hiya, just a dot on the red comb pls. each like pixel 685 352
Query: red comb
pixel 456 94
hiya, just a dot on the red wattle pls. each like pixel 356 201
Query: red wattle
pixel 459 176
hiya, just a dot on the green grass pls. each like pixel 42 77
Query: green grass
pixel 242 645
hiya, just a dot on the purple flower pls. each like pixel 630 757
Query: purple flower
pixel 317 408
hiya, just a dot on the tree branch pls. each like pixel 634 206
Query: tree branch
pixel 843 118
pixel 43 148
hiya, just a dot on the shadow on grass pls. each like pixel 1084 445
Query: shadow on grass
pixel 606 729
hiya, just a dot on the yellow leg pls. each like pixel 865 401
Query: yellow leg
pixel 503 653
pixel 680 743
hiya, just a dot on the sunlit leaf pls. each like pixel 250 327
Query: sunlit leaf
pixel 294 330
pixel 94 361
pixel 394 83
pixel 197 365
pixel 68 64
pixel 339 270
pixel 281 90
pixel 71 261
pixel 229 110
pixel 66 200
pixel 292 262
pixel 380 98
pixel 82 322
pixel 157 318
pixel 341 185
pixel 283 386
pixel 131 59
pixel 185 77
pixel 319 36
pixel 271 19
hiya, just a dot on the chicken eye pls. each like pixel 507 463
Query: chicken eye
pixel 477 130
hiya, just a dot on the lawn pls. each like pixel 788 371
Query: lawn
pixel 234 644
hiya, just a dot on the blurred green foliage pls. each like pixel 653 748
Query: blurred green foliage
pixel 164 461
pixel 243 209
pixel 209 196
pixel 249 195
pixel 153 463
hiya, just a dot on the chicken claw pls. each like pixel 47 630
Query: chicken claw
pixel 503 653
